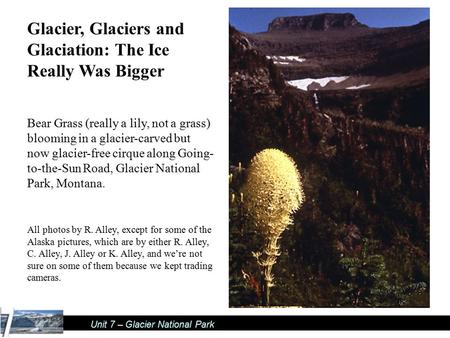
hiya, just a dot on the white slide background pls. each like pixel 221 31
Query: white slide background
pixel 195 87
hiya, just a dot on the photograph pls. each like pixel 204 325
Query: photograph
pixel 329 157
pixel 3 322
pixel 37 321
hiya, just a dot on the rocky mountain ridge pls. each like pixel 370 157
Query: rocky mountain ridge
pixel 320 22
pixel 353 49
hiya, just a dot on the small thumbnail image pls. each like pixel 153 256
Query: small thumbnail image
pixel 37 321
pixel 3 322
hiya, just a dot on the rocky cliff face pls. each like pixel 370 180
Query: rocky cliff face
pixel 321 22
pixel 362 170
pixel 351 49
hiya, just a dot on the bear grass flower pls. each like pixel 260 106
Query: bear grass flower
pixel 272 193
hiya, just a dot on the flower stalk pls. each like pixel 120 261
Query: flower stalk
pixel 273 192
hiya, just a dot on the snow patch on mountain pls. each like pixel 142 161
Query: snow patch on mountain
pixel 304 83
pixel 281 59
pixel 358 87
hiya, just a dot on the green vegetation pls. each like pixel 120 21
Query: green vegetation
pixel 338 251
